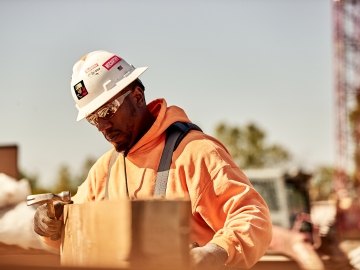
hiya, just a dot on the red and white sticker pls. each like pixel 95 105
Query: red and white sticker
pixel 111 62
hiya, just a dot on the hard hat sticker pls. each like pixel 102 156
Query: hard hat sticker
pixel 80 90
pixel 111 62
pixel 93 70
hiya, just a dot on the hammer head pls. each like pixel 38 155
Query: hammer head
pixel 64 197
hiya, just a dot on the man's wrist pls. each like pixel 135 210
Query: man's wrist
pixel 216 250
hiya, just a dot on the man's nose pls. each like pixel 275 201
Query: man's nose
pixel 103 124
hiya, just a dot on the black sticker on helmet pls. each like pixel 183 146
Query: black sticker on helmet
pixel 80 90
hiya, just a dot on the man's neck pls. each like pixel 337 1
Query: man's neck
pixel 146 123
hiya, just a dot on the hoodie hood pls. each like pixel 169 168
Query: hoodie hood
pixel 164 117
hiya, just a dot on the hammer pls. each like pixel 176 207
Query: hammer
pixel 49 199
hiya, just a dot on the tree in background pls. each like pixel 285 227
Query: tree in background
pixel 321 185
pixel 89 161
pixel 249 148
pixel 33 182
pixel 354 118
pixel 63 181
pixel 66 180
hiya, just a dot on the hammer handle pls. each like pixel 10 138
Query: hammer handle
pixel 50 210
pixel 51 214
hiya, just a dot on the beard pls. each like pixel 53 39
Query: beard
pixel 123 142
pixel 122 147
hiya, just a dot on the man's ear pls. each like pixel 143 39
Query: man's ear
pixel 138 95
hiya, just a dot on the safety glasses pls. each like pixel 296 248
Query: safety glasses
pixel 107 111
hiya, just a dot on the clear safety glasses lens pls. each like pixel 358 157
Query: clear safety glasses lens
pixel 107 111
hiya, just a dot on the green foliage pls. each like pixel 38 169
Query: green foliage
pixel 354 118
pixel 88 163
pixel 248 146
pixel 321 187
pixel 64 180
pixel 34 183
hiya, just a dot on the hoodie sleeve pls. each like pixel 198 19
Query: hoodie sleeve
pixel 246 230
pixel 224 200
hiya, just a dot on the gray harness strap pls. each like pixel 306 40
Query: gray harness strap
pixel 175 133
pixel 165 162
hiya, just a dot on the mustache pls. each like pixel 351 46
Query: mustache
pixel 110 134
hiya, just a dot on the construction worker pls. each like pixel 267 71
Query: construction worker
pixel 230 220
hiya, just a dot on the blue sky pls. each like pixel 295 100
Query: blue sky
pixel 236 61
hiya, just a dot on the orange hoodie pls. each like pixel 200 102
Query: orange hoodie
pixel 226 209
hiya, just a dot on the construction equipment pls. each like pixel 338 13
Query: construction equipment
pixel 346 43
pixel 286 194
pixel 295 234
pixel 346 30
pixel 287 197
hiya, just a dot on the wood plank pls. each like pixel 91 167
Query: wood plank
pixel 152 234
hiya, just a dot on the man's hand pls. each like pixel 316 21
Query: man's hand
pixel 209 257
pixel 46 226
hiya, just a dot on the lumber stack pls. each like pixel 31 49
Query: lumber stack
pixel 152 234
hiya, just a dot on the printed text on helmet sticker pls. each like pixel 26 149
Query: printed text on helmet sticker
pixel 111 62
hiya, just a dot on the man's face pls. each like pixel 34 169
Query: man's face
pixel 123 127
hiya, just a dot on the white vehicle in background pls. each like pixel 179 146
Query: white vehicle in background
pixel 295 235
pixel 270 183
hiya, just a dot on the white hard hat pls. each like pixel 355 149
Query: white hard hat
pixel 97 77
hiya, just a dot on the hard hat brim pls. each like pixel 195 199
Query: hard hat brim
pixel 102 99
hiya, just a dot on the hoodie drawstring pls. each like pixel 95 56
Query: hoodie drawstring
pixel 125 174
